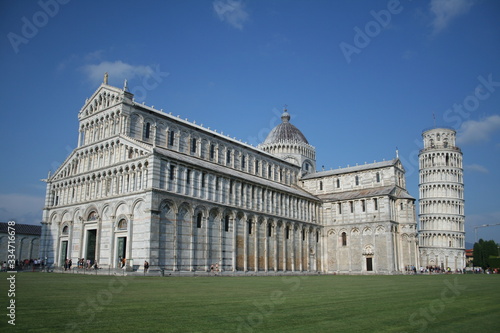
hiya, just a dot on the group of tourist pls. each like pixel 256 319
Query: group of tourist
pixel 67 264
pixel 214 268
pixel 25 264
pixel 86 264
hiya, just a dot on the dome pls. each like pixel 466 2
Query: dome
pixel 285 132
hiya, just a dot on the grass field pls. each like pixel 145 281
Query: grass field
pixel 81 303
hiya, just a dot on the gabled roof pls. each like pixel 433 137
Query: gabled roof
pixel 393 191
pixel 105 96
pixel 22 229
pixel 357 168
pixel 123 138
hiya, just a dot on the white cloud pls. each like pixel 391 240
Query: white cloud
pixel 117 71
pixel 473 131
pixel 476 167
pixel 231 11
pixel 444 11
pixel 21 208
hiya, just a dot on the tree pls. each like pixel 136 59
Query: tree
pixel 482 251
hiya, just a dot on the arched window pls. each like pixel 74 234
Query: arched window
pixel 92 216
pixel 378 177
pixel 228 156
pixel 65 230
pixel 357 180
pixel 122 224
pixel 338 182
pixel 171 138
pixel 320 185
pixel 226 223
pixel 344 239
pixel 147 130
pixel 193 145
pixel 198 220
pixel 212 151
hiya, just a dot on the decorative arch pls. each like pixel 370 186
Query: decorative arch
pixel 65 229
pixel 368 250
pixel 121 208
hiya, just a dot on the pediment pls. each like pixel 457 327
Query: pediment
pixel 103 98
pixel 69 167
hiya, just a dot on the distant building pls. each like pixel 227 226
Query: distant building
pixel 441 230
pixel 469 257
pixel 27 241
pixel 146 185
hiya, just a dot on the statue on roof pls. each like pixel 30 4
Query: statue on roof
pixel 106 78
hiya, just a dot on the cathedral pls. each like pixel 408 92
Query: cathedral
pixel 144 185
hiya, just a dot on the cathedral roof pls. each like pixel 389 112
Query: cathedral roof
pixel 285 132
pixel 390 190
pixel 356 168
pixel 235 174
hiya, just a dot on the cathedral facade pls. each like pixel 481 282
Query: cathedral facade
pixel 144 185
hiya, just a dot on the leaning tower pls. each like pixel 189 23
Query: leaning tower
pixel 441 228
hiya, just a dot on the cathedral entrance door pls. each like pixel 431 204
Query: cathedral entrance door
pixel 369 264
pixel 91 245
pixel 64 252
pixel 121 248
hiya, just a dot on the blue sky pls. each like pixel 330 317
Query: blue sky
pixel 360 78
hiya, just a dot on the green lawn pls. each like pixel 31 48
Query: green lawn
pixel 49 302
